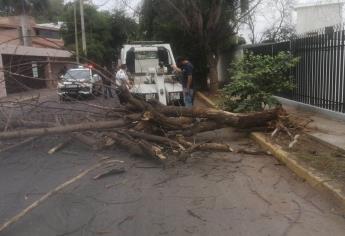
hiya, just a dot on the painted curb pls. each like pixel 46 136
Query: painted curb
pixel 313 177
pixel 206 100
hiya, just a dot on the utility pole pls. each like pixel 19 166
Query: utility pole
pixel 24 25
pixel 76 31
pixel 83 39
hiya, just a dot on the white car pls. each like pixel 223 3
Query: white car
pixel 78 82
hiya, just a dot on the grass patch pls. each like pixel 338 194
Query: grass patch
pixel 317 155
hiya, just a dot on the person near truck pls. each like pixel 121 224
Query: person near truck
pixel 122 81
pixel 106 87
pixel 186 69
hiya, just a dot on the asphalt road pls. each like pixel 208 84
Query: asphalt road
pixel 211 194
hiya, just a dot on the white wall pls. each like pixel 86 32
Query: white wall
pixel 312 17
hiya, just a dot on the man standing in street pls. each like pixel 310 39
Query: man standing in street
pixel 186 68
pixel 107 87
pixel 122 81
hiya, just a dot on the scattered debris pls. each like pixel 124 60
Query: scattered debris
pixel 114 171
pixel 191 213
pixel 124 220
pixel 295 140
pixel 59 146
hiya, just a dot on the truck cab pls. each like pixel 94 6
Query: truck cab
pixel 149 68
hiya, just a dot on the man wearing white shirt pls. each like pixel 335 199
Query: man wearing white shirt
pixel 122 77
pixel 122 81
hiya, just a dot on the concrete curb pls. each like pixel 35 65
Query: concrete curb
pixel 206 100
pixel 312 176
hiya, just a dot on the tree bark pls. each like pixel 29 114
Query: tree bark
pixel 213 72
pixel 155 138
pixel 240 120
pixel 88 141
pixel 198 128
pixel 138 148
pixel 62 129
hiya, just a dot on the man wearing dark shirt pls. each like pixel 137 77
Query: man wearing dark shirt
pixel 186 68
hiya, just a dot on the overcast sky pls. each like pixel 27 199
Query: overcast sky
pixel 131 6
pixel 110 4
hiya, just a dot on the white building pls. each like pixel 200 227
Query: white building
pixel 313 16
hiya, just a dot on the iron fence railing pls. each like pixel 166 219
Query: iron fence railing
pixel 319 76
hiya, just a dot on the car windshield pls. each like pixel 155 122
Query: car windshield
pixel 77 75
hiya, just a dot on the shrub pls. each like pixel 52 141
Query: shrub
pixel 255 78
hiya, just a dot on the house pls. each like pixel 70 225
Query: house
pixel 315 16
pixel 30 62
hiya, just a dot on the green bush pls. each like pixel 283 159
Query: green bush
pixel 255 78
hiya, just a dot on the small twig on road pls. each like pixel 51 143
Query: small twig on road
pixel 190 212
pixel 251 152
pixel 59 146
pixel 110 172
pixel 124 220
pixel 255 192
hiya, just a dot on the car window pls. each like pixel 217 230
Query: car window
pixel 77 74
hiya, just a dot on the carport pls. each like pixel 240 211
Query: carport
pixel 24 68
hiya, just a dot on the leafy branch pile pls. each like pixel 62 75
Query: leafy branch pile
pixel 255 79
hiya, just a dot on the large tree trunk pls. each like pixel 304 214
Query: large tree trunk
pixel 213 72
pixel 239 120
pixel 63 129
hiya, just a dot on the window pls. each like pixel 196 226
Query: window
pixel 77 75
pixel 52 34
pixel 146 55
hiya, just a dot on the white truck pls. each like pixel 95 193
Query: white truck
pixel 149 67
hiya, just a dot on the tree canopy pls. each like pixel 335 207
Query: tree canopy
pixel 41 10
pixel 12 7
pixel 200 29
pixel 106 32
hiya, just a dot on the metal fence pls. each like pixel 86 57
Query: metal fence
pixel 319 76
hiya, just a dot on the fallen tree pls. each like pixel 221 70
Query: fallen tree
pixel 149 128
pixel 62 129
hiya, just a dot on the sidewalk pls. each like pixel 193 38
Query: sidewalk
pixel 324 128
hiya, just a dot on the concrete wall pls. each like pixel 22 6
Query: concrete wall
pixel 225 58
pixel 313 17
